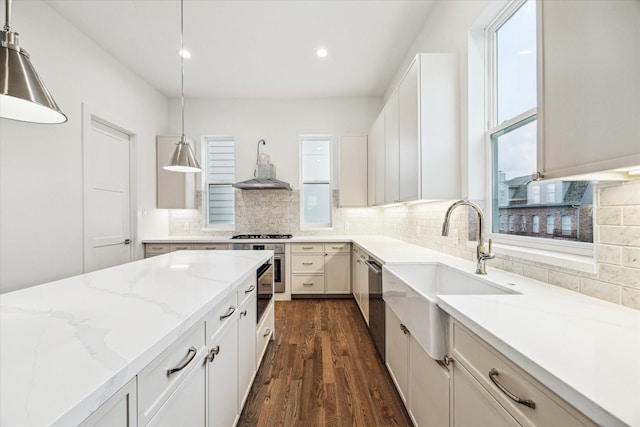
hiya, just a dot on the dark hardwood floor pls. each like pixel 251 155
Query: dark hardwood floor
pixel 322 370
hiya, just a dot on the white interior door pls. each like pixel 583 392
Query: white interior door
pixel 107 216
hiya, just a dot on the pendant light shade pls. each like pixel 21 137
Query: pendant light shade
pixel 23 95
pixel 182 158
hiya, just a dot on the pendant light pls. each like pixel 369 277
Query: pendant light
pixel 182 158
pixel 23 95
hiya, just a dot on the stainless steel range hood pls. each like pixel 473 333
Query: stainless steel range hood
pixel 263 184
pixel 264 175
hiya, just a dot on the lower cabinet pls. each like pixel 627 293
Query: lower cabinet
pixel 472 406
pixel 186 406
pixel 119 410
pixel 320 268
pixel 246 347
pixel 222 384
pixel 361 281
pixel 423 383
pixel 486 382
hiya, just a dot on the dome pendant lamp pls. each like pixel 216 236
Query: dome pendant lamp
pixel 23 95
pixel 182 158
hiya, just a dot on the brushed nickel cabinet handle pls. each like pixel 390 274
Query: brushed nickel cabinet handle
pixel 307 283
pixel 307 247
pixel 127 241
pixel 336 247
pixel 251 289
pixel 267 331
pixel 493 376
pixel 229 312
pixel 190 355
pixel 213 353
pixel 307 263
pixel 404 329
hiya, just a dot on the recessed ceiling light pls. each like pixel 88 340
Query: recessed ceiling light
pixel 322 52
pixel 184 53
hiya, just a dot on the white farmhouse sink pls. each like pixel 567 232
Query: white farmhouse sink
pixel 411 290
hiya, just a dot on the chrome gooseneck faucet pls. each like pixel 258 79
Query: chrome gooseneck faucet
pixel 481 254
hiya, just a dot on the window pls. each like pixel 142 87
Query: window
pixel 512 135
pixel 566 224
pixel 218 178
pixel 512 223
pixel 315 173
pixel 550 224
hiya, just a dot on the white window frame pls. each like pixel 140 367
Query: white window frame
pixel 205 183
pixel 535 224
pixel 522 244
pixel 315 137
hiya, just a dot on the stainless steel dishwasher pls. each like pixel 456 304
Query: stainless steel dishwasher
pixel 376 306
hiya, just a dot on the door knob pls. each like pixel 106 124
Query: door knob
pixel 127 241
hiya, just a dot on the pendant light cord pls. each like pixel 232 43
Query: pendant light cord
pixel 7 20
pixel 182 63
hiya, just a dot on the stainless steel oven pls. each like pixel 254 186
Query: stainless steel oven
pixel 278 260
pixel 265 288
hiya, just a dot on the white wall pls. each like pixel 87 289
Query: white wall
pixel 41 199
pixel 280 122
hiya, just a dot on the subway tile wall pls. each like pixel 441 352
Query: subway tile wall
pixel 616 246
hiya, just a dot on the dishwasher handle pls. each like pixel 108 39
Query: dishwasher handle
pixel 374 266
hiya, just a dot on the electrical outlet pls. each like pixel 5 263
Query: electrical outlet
pixel 456 237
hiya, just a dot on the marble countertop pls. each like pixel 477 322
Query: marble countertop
pixel 228 239
pixel 584 349
pixel 67 346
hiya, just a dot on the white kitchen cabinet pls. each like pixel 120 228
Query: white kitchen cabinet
pixel 588 86
pixel 186 406
pixel 483 376
pixel 375 162
pixel 265 332
pixel 428 388
pixel 408 137
pixel 423 383
pixel 361 281
pixel 247 346
pixel 119 411
pixel 353 171
pixel 222 381
pixel 392 150
pixel 175 190
pixel 472 406
pixel 397 351
pixel 320 268
pixel 153 249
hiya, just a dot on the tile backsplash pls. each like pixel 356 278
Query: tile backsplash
pixel 616 241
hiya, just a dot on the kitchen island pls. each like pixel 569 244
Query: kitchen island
pixel 67 346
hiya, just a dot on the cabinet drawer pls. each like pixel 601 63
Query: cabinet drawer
pixel 307 284
pixel 210 246
pixel 221 314
pixel 307 247
pixel 155 383
pixel 246 289
pixel 307 263
pixel 337 247
pixel 264 332
pixel 181 247
pixel 480 359
pixel 153 249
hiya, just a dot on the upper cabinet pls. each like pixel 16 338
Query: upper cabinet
pixel 353 171
pixel 375 162
pixel 418 132
pixel 589 86
pixel 176 190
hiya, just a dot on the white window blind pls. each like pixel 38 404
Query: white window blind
pixel 220 169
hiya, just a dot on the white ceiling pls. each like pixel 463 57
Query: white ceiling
pixel 258 48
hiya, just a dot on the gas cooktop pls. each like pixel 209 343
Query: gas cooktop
pixel 262 236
